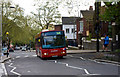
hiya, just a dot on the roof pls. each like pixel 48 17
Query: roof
pixel 87 14
pixel 45 30
pixel 58 25
pixel 69 20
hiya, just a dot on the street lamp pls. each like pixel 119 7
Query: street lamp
pixel 7 33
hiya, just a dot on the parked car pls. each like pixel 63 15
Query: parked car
pixel 17 48
pixel 4 50
pixel 24 48
pixel 11 49
pixel 28 48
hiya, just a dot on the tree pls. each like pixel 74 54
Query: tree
pixel 48 13
pixel 112 14
pixel 8 25
pixel 19 26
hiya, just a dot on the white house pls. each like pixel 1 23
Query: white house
pixel 69 31
pixel 69 27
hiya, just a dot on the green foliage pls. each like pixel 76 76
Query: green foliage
pixel 89 37
pixel 112 14
pixel 21 29
pixel 118 50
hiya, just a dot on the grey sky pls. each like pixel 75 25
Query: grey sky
pixel 80 5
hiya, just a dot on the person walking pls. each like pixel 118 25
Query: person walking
pixel 106 42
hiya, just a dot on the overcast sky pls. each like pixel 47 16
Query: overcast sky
pixel 28 6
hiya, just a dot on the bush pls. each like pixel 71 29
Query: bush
pixel 117 50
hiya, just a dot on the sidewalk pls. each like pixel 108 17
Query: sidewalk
pixel 1 70
pixel 3 58
pixel 80 51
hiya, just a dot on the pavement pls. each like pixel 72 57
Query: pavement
pixel 80 51
pixel 3 58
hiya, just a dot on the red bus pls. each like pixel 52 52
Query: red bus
pixel 50 44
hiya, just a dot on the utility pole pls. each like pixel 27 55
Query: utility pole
pixel 97 4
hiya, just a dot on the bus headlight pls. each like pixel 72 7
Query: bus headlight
pixel 45 53
pixel 63 52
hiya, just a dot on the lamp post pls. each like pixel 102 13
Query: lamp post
pixel 7 33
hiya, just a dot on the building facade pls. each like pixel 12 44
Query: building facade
pixel 70 28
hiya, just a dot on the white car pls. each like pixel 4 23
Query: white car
pixel 24 48
pixel 17 48
pixel 4 49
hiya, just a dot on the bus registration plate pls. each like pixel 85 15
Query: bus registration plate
pixel 55 56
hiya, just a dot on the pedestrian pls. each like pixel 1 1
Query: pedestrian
pixel 106 42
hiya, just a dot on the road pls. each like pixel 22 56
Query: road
pixel 27 63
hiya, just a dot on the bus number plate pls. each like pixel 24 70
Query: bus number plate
pixel 54 56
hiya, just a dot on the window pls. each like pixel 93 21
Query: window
pixel 81 25
pixel 67 30
pixel 73 30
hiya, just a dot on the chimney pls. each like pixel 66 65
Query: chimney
pixel 91 8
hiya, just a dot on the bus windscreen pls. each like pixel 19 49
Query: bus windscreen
pixel 53 40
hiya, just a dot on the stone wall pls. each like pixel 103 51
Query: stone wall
pixel 91 45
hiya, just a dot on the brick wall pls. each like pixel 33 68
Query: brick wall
pixel 58 27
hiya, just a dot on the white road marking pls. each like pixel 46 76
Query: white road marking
pixel 103 62
pixel 9 60
pixel 3 66
pixel 82 58
pixel 55 61
pixel 70 55
pixel 26 56
pixel 61 63
pixel 67 65
pixel 76 68
pixel 17 56
pixel 86 71
pixel 28 71
pixel 34 55
pixel 10 65
pixel 91 74
pixel 109 63
pixel 12 71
